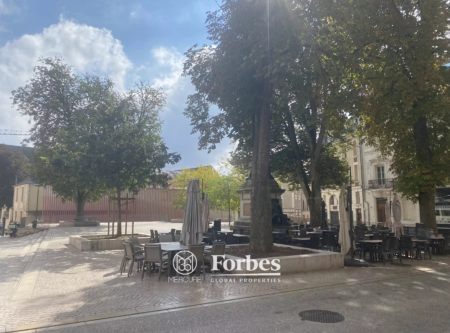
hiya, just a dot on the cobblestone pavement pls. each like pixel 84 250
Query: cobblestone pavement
pixel 45 282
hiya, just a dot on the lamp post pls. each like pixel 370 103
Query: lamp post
pixel 350 213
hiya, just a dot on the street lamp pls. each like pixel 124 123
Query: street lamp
pixel 350 212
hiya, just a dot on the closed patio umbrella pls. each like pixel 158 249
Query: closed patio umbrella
pixel 205 213
pixel 193 227
pixel 344 224
pixel 397 227
pixel 387 210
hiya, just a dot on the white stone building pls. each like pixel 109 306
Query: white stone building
pixel 372 187
pixel 372 191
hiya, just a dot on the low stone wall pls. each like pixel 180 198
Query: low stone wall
pixel 83 243
pixel 315 261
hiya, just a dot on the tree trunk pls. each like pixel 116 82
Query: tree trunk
pixel 80 202
pixel 261 212
pixel 427 206
pixel 119 214
pixel 315 204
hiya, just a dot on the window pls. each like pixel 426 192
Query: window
pixel 380 175
pixel 358 199
pixel 355 173
pixel 355 152
pixel 445 212
pixel 332 200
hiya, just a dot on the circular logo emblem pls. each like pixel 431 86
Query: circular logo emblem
pixel 184 262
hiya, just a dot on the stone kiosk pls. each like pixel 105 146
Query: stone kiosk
pixel 280 221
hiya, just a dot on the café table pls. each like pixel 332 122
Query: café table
pixel 437 244
pixel 172 248
pixel 241 238
pixel 421 244
pixel 371 246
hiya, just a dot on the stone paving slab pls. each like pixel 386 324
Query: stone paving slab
pixel 46 282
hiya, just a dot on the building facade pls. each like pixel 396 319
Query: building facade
pixel 373 187
pixel 27 203
pixel 372 191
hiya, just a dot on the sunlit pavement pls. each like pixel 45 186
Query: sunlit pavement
pixel 49 286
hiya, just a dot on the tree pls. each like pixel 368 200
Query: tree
pixel 314 85
pixel 207 176
pixel 310 94
pixel 62 106
pixel 131 152
pixel 402 48
pixel 234 74
pixel 14 168
pixel 315 92
pixel 222 190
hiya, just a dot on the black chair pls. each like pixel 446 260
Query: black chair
pixel 330 241
pixel 359 232
pixel 390 249
pixel 229 239
pixel 406 246
pixel 314 241
pixel 220 236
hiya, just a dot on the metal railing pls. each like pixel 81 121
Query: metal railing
pixel 381 183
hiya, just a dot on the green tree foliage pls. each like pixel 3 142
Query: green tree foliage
pixel 62 105
pixel 131 151
pixel 296 61
pixel 14 167
pixel 402 46
pixel 221 189
pixel 233 72
pixel 89 139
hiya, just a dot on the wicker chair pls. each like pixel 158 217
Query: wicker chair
pixel 198 251
pixel 218 248
pixel 154 258
pixel 132 255
pixel 166 238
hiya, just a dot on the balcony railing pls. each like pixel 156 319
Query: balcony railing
pixel 381 183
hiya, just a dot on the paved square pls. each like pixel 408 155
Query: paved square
pixel 44 282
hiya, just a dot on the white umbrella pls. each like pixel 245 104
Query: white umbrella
pixel 387 210
pixel 397 227
pixel 192 230
pixel 344 224
pixel 205 213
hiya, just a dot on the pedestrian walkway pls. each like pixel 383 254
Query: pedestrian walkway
pixel 45 282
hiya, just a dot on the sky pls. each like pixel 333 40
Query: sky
pixel 129 41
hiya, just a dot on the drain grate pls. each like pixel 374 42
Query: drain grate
pixel 321 316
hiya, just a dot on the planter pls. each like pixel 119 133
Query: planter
pixel 98 243
pixel 314 260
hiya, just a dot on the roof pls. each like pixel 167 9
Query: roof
pixel 27 151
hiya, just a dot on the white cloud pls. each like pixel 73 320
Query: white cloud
pixel 165 71
pixel 84 47
pixel 170 64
